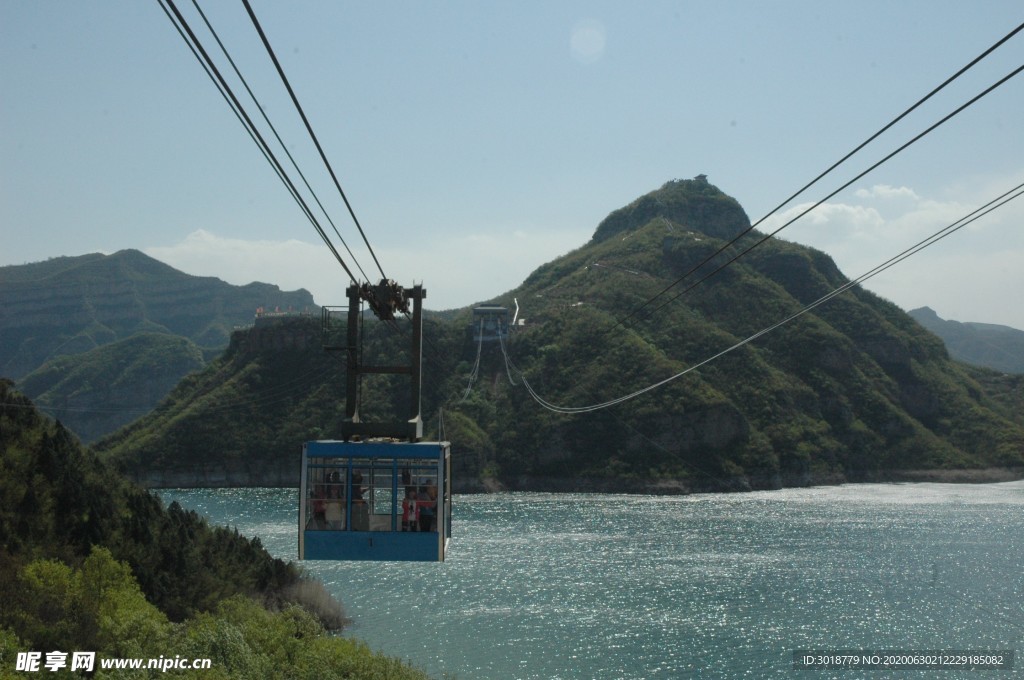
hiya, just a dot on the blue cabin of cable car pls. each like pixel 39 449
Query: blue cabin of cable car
pixel 375 500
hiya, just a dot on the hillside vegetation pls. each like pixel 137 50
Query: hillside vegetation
pixel 101 390
pixel 80 334
pixel 241 419
pixel 89 561
pixel 855 390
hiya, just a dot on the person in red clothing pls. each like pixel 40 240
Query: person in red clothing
pixel 425 504
pixel 409 515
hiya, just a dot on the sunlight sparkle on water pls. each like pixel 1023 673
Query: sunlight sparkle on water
pixel 581 586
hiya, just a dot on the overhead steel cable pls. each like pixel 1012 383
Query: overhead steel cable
pixel 309 129
pixel 814 181
pixel 844 186
pixel 216 84
pixel 504 350
pixel 211 70
pixel 284 147
pixel 219 80
pixel 976 214
pixel 476 365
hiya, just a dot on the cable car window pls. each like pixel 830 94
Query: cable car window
pixel 382 500
pixel 425 485
pixel 325 487
pixel 334 503
pixel 382 496
pixel 422 462
pixel 316 494
pixel 360 510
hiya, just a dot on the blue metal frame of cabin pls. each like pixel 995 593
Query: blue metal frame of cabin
pixel 371 528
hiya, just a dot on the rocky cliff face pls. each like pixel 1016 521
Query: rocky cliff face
pixel 854 390
pixel 242 420
pixel 276 334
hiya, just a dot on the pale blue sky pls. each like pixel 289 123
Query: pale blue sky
pixel 478 140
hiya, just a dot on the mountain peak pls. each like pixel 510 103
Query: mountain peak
pixel 925 313
pixel 694 203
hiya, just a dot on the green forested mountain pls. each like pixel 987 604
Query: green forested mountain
pixel 98 391
pixel 89 561
pixel 239 421
pixel 58 500
pixel 855 390
pixel 98 340
pixel 1000 348
pixel 69 305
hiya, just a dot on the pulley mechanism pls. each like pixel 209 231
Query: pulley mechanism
pixel 386 298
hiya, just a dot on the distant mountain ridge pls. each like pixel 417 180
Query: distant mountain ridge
pixel 98 340
pixel 1000 348
pixel 69 305
pixel 856 390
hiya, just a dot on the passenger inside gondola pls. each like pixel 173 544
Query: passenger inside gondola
pixel 360 512
pixel 370 506
pixel 425 506
pixel 335 504
pixel 318 506
pixel 409 518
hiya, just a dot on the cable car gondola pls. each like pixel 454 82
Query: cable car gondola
pixel 379 493
pixel 375 501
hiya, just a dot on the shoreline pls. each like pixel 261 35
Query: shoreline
pixel 626 485
pixel 740 484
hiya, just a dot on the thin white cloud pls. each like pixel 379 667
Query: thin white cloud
pixel 456 271
pixel 971 276
pixel 826 225
pixel 290 264
pixel 886 192
pixel 967 276
pixel 461 270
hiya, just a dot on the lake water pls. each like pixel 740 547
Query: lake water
pixel 716 586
